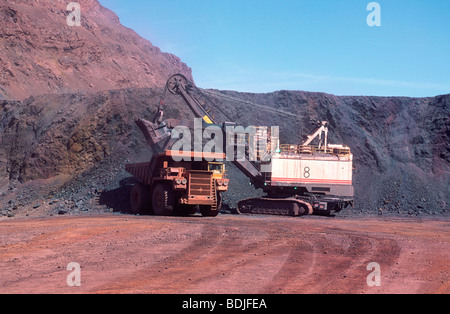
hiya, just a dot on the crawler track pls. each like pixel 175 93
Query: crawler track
pixel 272 206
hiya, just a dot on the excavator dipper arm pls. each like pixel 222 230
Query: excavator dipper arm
pixel 180 85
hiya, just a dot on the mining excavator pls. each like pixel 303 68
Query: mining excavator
pixel 298 180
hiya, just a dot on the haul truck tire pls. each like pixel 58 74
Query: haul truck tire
pixel 210 211
pixel 162 200
pixel 140 199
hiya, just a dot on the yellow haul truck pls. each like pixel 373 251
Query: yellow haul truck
pixel 166 187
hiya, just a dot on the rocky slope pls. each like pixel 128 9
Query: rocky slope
pixel 74 146
pixel 401 145
pixel 41 54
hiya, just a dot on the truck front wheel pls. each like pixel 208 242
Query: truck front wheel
pixel 210 211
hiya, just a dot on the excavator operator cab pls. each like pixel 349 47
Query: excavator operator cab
pixel 218 169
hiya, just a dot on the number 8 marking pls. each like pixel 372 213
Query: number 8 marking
pixel 307 173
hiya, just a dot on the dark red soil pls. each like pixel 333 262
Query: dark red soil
pixel 228 254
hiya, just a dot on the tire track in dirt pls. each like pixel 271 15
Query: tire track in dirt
pixel 317 263
pixel 221 254
pixel 218 254
pixel 168 274
pixel 228 254
pixel 299 264
pixel 352 272
pixel 237 256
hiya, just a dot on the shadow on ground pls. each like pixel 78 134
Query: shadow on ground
pixel 119 199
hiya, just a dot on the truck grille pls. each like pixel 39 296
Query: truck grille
pixel 200 183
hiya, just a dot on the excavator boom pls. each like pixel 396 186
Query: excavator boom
pixel 179 85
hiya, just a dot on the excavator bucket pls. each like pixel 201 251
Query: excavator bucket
pixel 154 134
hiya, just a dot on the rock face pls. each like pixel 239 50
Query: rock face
pixel 401 145
pixel 41 54
pixel 46 136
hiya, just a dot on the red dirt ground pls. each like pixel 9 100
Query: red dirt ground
pixel 228 254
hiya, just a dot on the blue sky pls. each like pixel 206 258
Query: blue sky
pixel 311 45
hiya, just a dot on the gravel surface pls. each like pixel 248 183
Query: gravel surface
pixel 228 254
